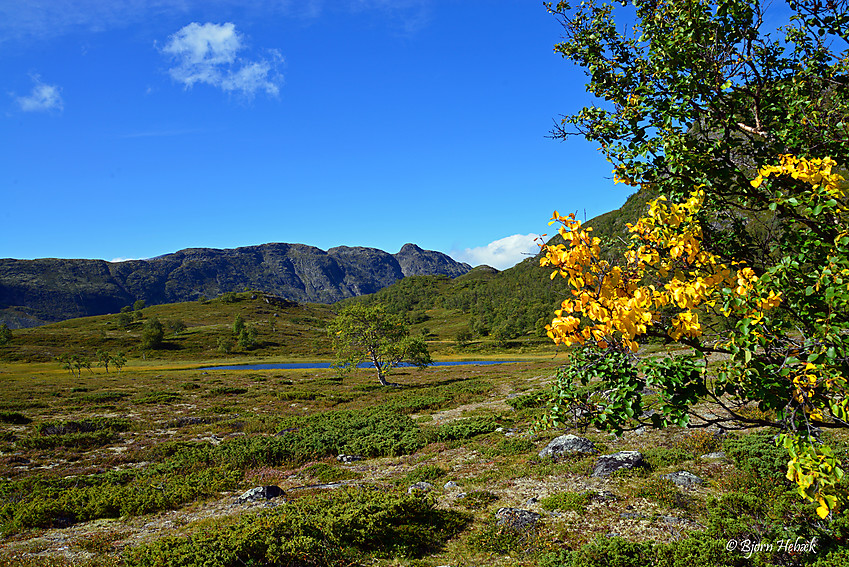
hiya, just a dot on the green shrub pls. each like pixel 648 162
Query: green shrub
pixel 660 457
pixel 14 417
pixel 322 530
pixel 613 552
pixel 466 428
pixel 757 454
pixel 565 501
pixel 79 441
pixel 534 400
pixel 158 398
pixel 328 473
pixel 424 473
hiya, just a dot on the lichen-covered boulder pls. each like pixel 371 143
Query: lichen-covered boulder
pixel 516 519
pixel 567 445
pixel 683 478
pixel 607 464
pixel 260 493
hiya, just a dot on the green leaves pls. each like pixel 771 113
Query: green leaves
pixel 366 333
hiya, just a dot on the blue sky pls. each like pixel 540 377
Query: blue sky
pixel 136 128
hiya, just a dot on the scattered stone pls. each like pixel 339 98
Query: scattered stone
pixel 673 520
pixel 617 461
pixel 683 478
pixel 260 493
pixel 348 459
pixel 420 487
pixel 567 444
pixel 716 455
pixel 516 519
pixel 633 516
pixel 450 484
pixel 530 501
pixel 640 430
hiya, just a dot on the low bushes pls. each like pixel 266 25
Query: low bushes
pixel 338 529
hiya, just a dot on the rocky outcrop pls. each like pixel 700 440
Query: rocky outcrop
pixel 34 292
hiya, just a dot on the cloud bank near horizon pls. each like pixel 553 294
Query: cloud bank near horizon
pixel 502 253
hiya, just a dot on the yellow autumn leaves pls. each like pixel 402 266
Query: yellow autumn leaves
pixel 614 303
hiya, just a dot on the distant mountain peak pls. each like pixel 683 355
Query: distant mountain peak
pixel 34 292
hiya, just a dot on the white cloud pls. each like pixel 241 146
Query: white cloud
pixel 502 253
pixel 209 54
pixel 42 98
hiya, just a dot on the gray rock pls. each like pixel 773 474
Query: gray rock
pixel 566 445
pixel 683 478
pixel 617 461
pixel 348 459
pixel 420 487
pixel 450 484
pixel 633 516
pixel 260 493
pixel 716 455
pixel 516 519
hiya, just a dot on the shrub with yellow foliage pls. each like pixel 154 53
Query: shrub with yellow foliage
pixel 781 334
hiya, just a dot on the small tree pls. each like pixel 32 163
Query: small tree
pixel 152 334
pixel 238 325
pixel 119 360
pixel 248 337
pixel 103 359
pixel 5 334
pixel 125 319
pixel 225 345
pixel 367 333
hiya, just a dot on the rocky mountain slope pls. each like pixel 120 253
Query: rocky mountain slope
pixel 34 292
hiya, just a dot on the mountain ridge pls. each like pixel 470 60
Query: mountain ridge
pixel 45 290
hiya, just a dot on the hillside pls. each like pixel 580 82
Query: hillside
pixel 34 292
pixel 487 305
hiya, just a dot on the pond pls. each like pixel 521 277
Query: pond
pixel 318 365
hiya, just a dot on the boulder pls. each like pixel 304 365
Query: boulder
pixel 260 493
pixel 683 478
pixel 348 459
pixel 567 445
pixel 617 461
pixel 516 519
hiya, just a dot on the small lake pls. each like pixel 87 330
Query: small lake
pixel 319 365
